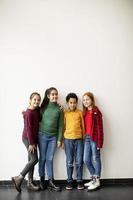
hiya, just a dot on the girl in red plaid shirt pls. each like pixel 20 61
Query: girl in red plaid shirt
pixel 93 139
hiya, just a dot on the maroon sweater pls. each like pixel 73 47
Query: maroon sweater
pixel 31 125
pixel 96 133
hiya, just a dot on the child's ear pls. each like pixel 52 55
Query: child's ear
pixel 48 96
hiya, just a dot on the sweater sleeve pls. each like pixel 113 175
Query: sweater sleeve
pixel 100 131
pixel 29 129
pixel 82 124
pixel 64 128
pixel 60 126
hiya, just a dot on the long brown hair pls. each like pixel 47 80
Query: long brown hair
pixel 89 94
pixel 46 99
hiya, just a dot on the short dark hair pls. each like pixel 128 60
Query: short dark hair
pixel 71 95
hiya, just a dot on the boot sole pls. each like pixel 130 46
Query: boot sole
pixel 18 189
pixel 52 189
pixel 33 189
pixel 68 188
pixel 80 188
pixel 91 190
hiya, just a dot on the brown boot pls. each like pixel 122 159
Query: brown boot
pixel 17 181
pixel 31 186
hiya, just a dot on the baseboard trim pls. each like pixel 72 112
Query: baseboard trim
pixel 120 181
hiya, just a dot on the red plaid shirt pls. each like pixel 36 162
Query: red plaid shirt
pixel 96 131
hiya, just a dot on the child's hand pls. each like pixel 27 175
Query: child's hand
pixel 58 144
pixel 32 148
pixel 61 107
pixel 98 148
pixel 62 145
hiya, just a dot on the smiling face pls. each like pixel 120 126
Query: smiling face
pixel 72 104
pixel 87 101
pixel 35 101
pixel 53 96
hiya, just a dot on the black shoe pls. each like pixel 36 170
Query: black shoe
pixel 80 186
pixel 31 186
pixel 52 186
pixel 43 184
pixel 69 186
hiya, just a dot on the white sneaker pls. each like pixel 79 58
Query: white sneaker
pixel 95 184
pixel 89 183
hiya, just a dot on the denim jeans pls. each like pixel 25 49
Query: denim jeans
pixel 32 160
pixel 74 150
pixel 92 157
pixel 47 146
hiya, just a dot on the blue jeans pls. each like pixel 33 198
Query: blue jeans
pixel 47 146
pixel 74 149
pixel 92 157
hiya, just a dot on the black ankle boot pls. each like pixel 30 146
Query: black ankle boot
pixel 43 184
pixel 31 186
pixel 52 186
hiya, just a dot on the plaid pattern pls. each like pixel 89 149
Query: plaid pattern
pixel 97 127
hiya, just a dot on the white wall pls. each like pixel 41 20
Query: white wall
pixel 75 46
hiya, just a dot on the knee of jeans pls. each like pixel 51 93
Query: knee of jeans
pixel 94 158
pixel 79 162
pixel 86 161
pixel 69 164
pixel 78 165
pixel 50 158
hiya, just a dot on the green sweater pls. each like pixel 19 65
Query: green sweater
pixel 52 121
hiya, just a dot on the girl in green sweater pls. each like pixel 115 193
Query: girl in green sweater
pixel 50 134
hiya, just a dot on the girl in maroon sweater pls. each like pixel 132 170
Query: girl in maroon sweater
pixel 29 138
pixel 93 139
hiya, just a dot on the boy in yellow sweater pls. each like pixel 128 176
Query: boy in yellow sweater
pixel 73 140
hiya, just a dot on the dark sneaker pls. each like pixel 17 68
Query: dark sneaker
pixel 69 186
pixel 80 186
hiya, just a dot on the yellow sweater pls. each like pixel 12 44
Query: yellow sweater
pixel 73 124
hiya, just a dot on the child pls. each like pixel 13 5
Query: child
pixel 93 139
pixel 29 137
pixel 50 133
pixel 73 140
